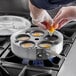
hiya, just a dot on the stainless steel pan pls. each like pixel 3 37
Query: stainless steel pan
pixel 36 37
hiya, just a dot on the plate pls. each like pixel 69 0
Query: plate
pixel 10 24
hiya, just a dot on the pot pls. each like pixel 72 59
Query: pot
pixel 10 24
pixel 36 43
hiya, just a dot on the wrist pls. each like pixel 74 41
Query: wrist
pixel 36 12
pixel 38 19
pixel 73 11
pixel 38 16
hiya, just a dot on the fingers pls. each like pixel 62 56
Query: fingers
pixel 41 18
pixel 60 19
pixel 62 23
pixel 58 14
pixel 55 26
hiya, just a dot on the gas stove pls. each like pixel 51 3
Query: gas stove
pixel 11 65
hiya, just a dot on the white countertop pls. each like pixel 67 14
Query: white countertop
pixel 69 66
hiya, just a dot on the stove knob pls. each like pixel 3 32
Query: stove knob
pixel 39 55
pixel 47 54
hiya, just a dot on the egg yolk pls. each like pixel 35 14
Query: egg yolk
pixel 45 45
pixel 37 34
pixel 27 45
pixel 23 38
pixel 50 28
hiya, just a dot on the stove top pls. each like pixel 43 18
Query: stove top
pixel 11 65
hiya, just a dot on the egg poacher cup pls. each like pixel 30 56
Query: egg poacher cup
pixel 36 51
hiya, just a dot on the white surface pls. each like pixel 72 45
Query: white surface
pixel 69 66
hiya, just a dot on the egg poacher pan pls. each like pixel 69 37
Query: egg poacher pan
pixel 36 43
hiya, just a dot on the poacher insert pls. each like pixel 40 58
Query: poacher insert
pixel 36 43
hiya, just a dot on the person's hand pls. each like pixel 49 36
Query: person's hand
pixel 39 15
pixel 65 15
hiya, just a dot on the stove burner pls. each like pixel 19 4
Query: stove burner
pixel 51 62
